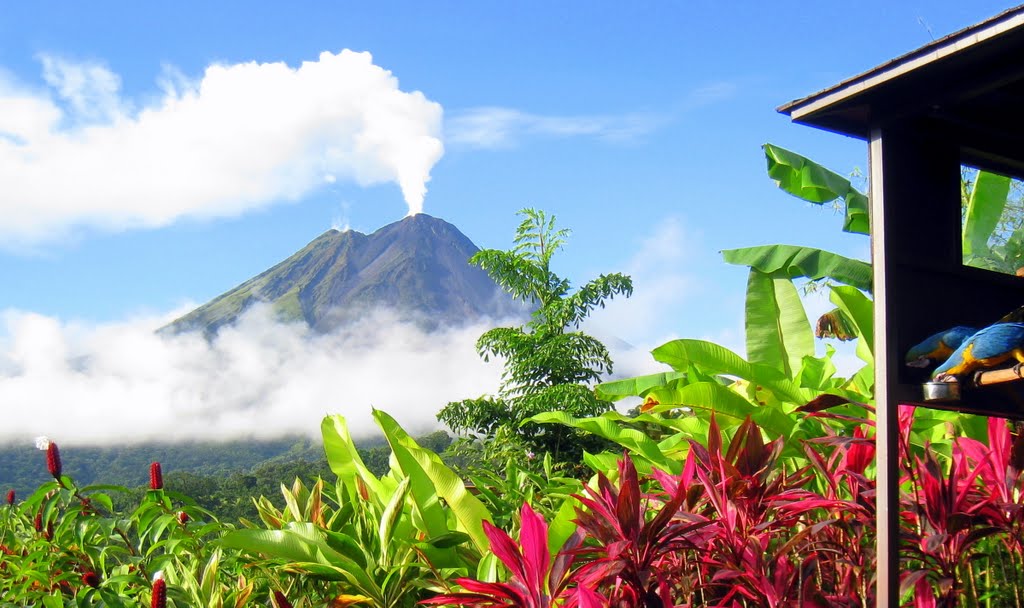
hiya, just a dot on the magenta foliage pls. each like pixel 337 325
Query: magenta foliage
pixel 536 580
pixel 739 526
pixel 638 537
pixel 948 513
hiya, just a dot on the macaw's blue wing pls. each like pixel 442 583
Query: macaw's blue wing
pixel 938 347
pixel 989 347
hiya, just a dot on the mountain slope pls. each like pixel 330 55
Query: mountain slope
pixel 417 267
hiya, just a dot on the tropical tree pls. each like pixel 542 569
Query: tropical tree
pixel 549 362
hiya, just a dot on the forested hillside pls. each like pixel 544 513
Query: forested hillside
pixel 219 476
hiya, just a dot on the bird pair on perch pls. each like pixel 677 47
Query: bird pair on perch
pixel 964 350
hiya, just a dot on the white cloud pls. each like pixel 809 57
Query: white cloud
pixel 496 127
pixel 122 383
pixel 91 91
pixel 660 287
pixel 632 327
pixel 500 127
pixel 240 137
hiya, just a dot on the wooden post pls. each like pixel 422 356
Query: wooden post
pixel 887 583
pixel 911 163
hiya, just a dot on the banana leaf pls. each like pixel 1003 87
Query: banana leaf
pixel 985 207
pixel 716 359
pixel 809 181
pixel 778 333
pixel 803 262
pixel 603 426
pixel 634 387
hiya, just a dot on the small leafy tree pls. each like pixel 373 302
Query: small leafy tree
pixel 548 361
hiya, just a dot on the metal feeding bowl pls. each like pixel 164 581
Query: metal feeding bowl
pixel 941 391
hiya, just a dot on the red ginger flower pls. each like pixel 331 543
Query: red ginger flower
pixel 10 497
pixel 90 579
pixel 182 517
pixel 38 521
pixel 156 477
pixel 53 460
pixel 159 594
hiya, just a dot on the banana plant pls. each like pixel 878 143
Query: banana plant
pixel 781 370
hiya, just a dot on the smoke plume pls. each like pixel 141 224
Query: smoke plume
pixel 243 136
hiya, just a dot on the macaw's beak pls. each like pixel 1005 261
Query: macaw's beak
pixel 919 362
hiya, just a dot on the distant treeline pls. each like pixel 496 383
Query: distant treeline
pixel 220 476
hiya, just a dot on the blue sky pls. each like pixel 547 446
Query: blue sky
pixel 150 132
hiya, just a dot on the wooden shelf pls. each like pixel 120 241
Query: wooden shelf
pixel 1000 394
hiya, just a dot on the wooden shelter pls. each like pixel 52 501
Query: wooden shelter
pixel 953 102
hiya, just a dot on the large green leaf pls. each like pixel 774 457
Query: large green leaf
pixel 859 309
pixel 432 480
pixel 281 544
pixel 807 180
pixel 605 427
pixel 343 457
pixel 724 402
pixel 803 262
pixel 303 546
pixel 988 199
pixel 389 519
pixel 778 334
pixel 716 359
pixel 634 387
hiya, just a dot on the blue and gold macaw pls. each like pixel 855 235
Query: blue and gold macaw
pixel 988 347
pixel 938 347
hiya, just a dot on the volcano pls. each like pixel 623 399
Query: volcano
pixel 417 268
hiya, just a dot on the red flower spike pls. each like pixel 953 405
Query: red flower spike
pixel 90 579
pixel 159 594
pixel 53 464
pixel 156 477
pixel 10 497
pixel 182 517
pixel 280 601
pixel 38 521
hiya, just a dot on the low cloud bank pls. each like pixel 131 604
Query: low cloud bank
pixel 121 383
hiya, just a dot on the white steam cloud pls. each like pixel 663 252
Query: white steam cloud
pixel 242 136
pixel 122 383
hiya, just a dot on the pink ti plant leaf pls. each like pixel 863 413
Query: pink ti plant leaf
pixel 535 581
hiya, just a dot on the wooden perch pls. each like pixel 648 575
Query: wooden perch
pixel 998 376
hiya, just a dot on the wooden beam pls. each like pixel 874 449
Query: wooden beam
pixel 887 582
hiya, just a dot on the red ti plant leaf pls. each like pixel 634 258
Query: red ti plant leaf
pixel 827 401
pixel 535 580
pixel 632 549
pixel 772 545
pixel 952 510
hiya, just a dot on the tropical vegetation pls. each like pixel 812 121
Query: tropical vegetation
pixel 549 362
pixel 739 481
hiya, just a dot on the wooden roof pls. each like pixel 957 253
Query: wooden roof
pixel 970 84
